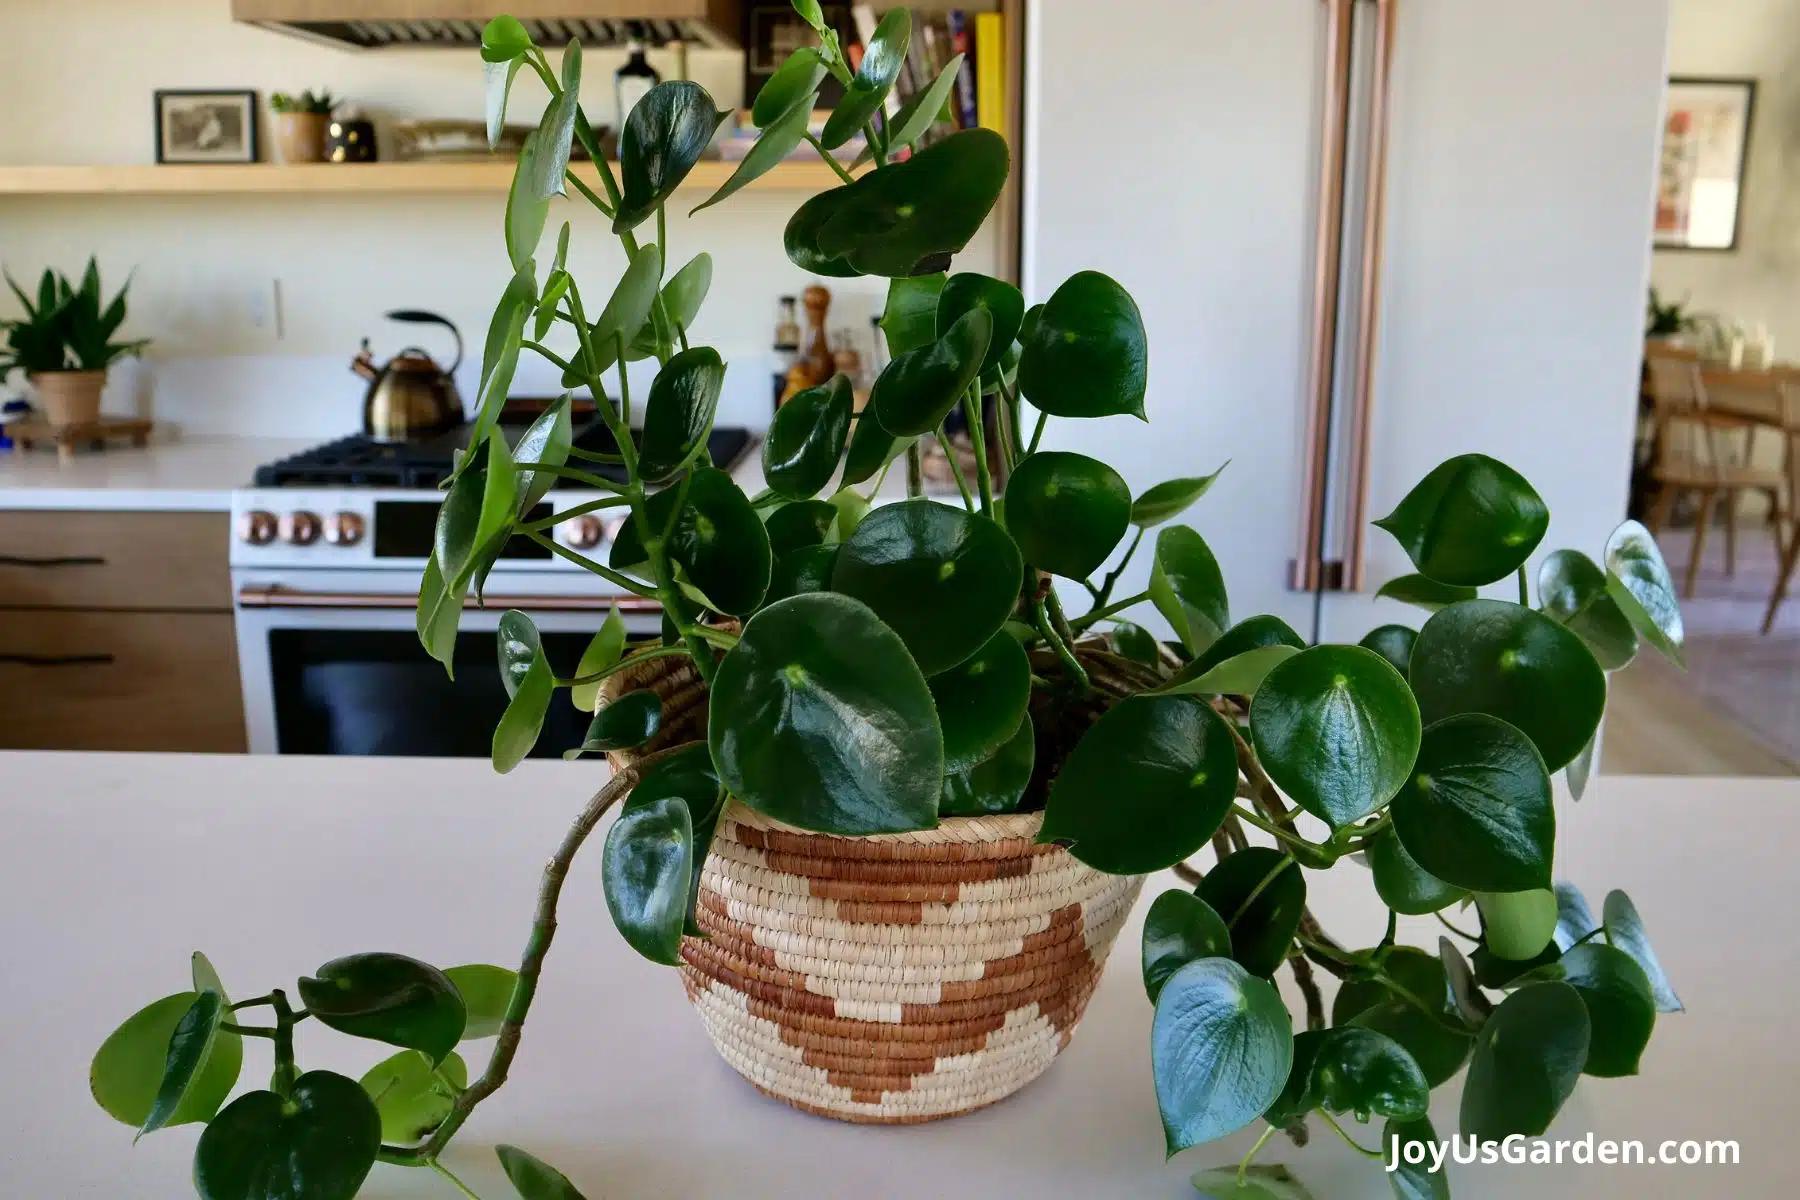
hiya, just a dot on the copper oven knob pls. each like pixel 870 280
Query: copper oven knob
pixel 300 528
pixel 344 529
pixel 257 527
pixel 584 533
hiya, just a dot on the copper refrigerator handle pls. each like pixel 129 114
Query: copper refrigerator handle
pixel 276 596
pixel 1328 243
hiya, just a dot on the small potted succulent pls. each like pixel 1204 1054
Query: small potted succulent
pixel 300 125
pixel 64 343
pixel 886 804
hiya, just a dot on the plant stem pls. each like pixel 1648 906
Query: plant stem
pixel 1309 988
pixel 976 415
pixel 583 561
pixel 915 471
pixel 1037 434
pixel 545 352
pixel 1070 664
pixel 629 661
pixel 594 456
pixel 246 1030
pixel 1006 424
pixel 1286 836
pixel 962 484
pixel 1400 990
pixel 1095 615
pixel 587 478
pixel 717 637
pixel 1262 788
pixel 257 1002
pixel 569 514
pixel 1461 933
pixel 282 1081
pixel 1524 588
pixel 1244 1166
pixel 1348 1140
pixel 458 1184
pixel 588 192
pixel 831 159
pixel 1112 578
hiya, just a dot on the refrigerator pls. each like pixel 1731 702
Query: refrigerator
pixel 1365 236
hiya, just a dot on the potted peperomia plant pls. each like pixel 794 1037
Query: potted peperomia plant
pixel 64 343
pixel 887 804
pixel 300 124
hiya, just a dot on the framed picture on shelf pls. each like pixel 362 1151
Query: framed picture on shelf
pixel 1700 182
pixel 195 126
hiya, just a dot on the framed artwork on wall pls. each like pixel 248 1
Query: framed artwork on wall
pixel 1700 182
pixel 195 126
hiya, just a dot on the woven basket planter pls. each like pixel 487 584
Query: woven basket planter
pixel 890 979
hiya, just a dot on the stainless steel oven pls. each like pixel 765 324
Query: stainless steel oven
pixel 326 584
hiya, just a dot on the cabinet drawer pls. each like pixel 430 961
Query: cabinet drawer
pixel 115 560
pixel 119 681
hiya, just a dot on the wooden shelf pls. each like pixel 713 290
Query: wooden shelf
pixel 272 179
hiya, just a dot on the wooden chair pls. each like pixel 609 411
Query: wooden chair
pixel 1788 388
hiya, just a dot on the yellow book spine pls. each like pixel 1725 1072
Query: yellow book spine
pixel 990 71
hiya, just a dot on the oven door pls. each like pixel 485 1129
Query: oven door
pixel 342 672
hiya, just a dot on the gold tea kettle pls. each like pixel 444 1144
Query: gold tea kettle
pixel 411 396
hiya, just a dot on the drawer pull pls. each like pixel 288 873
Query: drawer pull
pixel 58 660
pixel 71 560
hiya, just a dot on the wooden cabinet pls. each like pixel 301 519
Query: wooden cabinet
pixel 116 632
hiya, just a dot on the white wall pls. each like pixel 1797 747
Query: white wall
pixel 76 88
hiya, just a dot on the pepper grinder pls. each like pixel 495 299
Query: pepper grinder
pixel 818 358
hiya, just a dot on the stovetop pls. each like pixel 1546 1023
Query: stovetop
pixel 363 462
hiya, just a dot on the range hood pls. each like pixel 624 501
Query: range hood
pixel 375 24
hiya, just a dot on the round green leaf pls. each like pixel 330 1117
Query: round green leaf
pixel 1087 355
pixel 679 414
pixel 1621 1008
pixel 981 701
pixel 1136 643
pixel 801 236
pixel 1240 675
pixel 1427 594
pixel 910 217
pixel 1337 729
pixel 486 993
pixel 1394 643
pixel 1300 1094
pixel 1146 786
pixel 687 777
pixel 871 449
pixel 803 570
pixel 1488 656
pixel 1625 930
pixel 1471 521
pixel 1477 812
pixel 319 1143
pixel 800 524
pixel 534 1178
pixel 1493 971
pixel 1179 929
pixel 794 85
pixel 1169 500
pixel 1260 1182
pixel 1004 302
pixel 806 439
pixel 1572 590
pixel 820 718
pixel 882 59
pixel 1360 1071
pixel 409 1096
pixel 606 648
pixel 624 724
pixel 1408 966
pixel 646 871
pixel 997 783
pixel 1526 1063
pixel 1252 633
pixel 917 389
pixel 944 579
pixel 1188 589
pixel 1221 1044
pixel 128 1069
pixel 910 318
pixel 387 998
pixel 665 135
pixel 1068 512
pixel 504 38
pixel 1409 1180
pixel 1639 583
pixel 720 542
pixel 1438 1050
pixel 1518 926
pixel 1403 884
pixel 1261 901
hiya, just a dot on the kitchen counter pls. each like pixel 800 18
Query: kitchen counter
pixel 116 867
pixel 192 475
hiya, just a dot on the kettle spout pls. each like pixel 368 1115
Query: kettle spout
pixel 364 363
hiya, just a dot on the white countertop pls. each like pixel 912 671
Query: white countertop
pixel 115 867
pixel 190 475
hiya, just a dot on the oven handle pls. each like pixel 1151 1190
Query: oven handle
pixel 276 596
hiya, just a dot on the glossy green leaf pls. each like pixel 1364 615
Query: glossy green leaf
pixel 1638 581
pixel 997 783
pixel 882 59
pixel 799 525
pixel 319 1143
pixel 625 316
pixel 1188 589
pixel 910 318
pixel 1394 643
pixel 526 211
pixel 1068 512
pixel 1403 884
pixel 871 449
pixel 189 1049
pixel 1261 901
pixel 128 1069
pixel 624 724
pixel 981 701
pixel 1087 355
pixel 1410 1180
pixel 1337 729
pixel 545 440
pixel 497 80
pixel 1409 967
pixel 794 86
pixel 665 135
pixel 1240 675
pixel 806 439
pixel 1488 656
pixel 1621 1008
pixel 813 15
pixel 486 994
pixel 820 718
pixel 504 38
pixel 910 217
pixel 1136 643
pixel 647 869
pixel 1180 928
pixel 556 286
pixel 1221 1044
pixel 1466 996
pixel 499 510
pixel 1005 303
pixel 529 683
pixel 686 777
pixel 1477 812
pixel 915 391
pixel 1427 594
pixel 1260 1182
pixel 556 130
pixel 851 507
pixel 1145 787
pixel 1517 926
pixel 771 149
pixel 605 650
pixel 438 615
pixel 1625 930
pixel 1527 1060
pixel 534 1178
pixel 802 570
pixel 717 539
pixel 1361 1071
pixel 1432 1040
pixel 682 297
pixel 410 1098
pixel 921 110
pixel 1473 520
pixel 1170 499
pixel 1574 919
pixel 387 998
pixel 1572 590
pixel 801 236
pixel 944 579
pixel 1300 1093
pixel 1252 633
pixel 679 414
pixel 500 355
pixel 1493 971
pixel 1581 768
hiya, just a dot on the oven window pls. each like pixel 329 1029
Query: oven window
pixel 375 692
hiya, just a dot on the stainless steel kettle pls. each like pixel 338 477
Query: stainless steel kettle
pixel 410 396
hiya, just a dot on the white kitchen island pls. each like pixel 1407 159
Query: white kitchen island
pixel 114 868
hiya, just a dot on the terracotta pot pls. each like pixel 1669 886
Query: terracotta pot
pixel 301 136
pixel 70 397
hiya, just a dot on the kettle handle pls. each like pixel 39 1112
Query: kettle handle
pixel 417 316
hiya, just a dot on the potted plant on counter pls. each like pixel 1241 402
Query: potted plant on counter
pixel 64 343
pixel 886 804
pixel 300 125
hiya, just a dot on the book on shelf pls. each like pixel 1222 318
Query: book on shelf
pixel 735 145
pixel 990 71
pixel 962 42
pixel 979 97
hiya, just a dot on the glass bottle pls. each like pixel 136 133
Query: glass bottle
pixel 633 80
